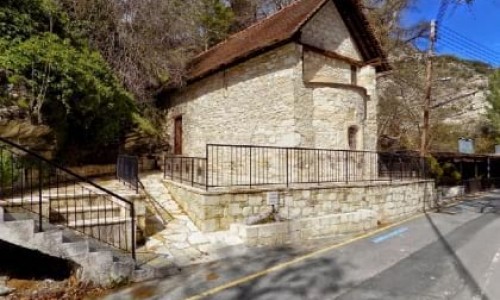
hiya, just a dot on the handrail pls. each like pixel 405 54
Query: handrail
pixel 81 179
pixel 254 165
pixel 86 180
pixel 301 148
pixel 127 170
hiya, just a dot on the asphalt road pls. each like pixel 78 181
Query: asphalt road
pixel 453 255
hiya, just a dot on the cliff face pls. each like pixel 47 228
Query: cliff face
pixel 462 93
pixel 15 126
pixel 459 105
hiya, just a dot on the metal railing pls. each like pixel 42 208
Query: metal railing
pixel 250 166
pixel 474 185
pixel 58 196
pixel 127 170
pixel 189 170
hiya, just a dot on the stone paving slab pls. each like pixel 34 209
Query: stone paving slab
pixel 181 238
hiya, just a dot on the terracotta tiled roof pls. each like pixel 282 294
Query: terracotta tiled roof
pixel 279 28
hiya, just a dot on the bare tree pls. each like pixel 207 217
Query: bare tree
pixel 147 43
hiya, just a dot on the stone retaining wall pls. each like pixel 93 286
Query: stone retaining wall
pixel 307 228
pixel 217 209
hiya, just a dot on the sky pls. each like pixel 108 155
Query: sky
pixel 479 22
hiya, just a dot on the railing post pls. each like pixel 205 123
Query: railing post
pixel 181 169
pixel 317 166
pixel 422 168
pixel 206 167
pixel 400 169
pixel 40 208
pixel 136 166
pixel 346 166
pixel 287 166
pixel 250 167
pixel 192 171
pixel 390 167
pixel 118 168
pixel 132 216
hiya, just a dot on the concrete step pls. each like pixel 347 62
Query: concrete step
pixel 24 231
pixel 76 249
pixel 48 241
pixel 72 214
pixel 24 205
pixel 80 200
pixel 54 236
pixel 98 222
pixel 16 216
pixel 143 274
pixel 27 199
pixel 101 258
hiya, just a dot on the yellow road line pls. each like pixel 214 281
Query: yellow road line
pixel 295 261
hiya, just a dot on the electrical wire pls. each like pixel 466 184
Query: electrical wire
pixel 450 33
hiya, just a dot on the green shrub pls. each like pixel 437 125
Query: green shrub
pixel 8 172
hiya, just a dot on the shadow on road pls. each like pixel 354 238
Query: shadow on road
pixel 303 280
pixel 468 279
pixel 311 279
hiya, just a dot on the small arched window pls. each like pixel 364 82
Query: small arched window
pixel 352 137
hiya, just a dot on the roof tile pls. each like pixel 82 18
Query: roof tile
pixel 266 33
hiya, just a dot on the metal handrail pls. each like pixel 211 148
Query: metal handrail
pixel 254 165
pixel 81 179
pixel 127 170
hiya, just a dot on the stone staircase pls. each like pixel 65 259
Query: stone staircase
pixel 93 214
pixel 49 208
pixel 96 262
pixel 88 229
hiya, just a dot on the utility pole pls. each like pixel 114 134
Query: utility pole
pixel 428 90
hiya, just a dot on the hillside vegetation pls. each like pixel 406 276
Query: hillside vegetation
pixel 48 70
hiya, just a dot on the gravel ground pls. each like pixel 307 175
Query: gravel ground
pixel 48 289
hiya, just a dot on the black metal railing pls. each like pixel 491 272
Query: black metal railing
pixel 189 170
pixel 58 196
pixel 250 166
pixel 470 186
pixel 127 170
pixel 474 185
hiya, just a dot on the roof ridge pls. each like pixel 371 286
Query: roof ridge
pixel 279 28
pixel 259 22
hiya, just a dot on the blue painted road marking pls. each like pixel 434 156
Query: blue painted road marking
pixel 389 235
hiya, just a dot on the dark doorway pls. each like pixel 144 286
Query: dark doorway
pixel 178 136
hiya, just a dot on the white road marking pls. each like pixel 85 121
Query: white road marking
pixel 489 273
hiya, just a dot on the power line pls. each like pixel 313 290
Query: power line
pixel 477 50
pixel 458 43
pixel 469 52
pixel 458 36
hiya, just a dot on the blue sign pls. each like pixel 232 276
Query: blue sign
pixel 466 145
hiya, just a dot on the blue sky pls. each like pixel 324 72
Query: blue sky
pixel 479 22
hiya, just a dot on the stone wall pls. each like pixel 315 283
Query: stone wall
pixel 328 105
pixel 328 100
pixel 218 209
pixel 307 228
pixel 319 68
pixel 251 103
pixel 326 30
